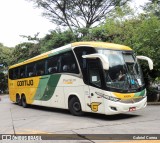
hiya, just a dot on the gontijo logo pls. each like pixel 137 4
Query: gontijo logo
pixel 25 83
pixel 94 106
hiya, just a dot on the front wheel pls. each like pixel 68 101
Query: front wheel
pixel 75 106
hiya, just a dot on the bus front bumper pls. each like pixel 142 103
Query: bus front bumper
pixel 112 107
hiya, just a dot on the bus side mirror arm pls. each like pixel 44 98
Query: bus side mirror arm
pixel 150 62
pixel 103 59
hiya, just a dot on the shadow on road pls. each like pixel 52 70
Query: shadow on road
pixel 111 117
pixel 86 115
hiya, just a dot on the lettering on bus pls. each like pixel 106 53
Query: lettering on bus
pixel 69 81
pixel 25 83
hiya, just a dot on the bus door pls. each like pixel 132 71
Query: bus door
pixel 95 80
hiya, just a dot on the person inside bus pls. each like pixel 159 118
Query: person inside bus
pixel 30 74
pixel 116 70
pixel 40 72
pixel 121 76
pixel 52 70
pixel 22 74
pixel 66 68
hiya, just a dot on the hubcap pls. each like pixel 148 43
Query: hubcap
pixel 76 106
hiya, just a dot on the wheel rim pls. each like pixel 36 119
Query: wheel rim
pixel 77 106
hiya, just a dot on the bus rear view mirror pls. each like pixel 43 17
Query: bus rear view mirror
pixel 150 62
pixel 102 57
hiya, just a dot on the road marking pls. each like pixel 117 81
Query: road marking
pixel 31 131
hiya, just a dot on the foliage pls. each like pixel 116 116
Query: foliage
pixel 153 6
pixel 77 13
pixel 25 51
pixel 56 39
pixel 5 60
pixel 139 32
pixel 5 54
pixel 31 38
pixel 3 82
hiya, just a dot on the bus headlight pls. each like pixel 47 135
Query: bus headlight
pixel 111 98
pixel 115 99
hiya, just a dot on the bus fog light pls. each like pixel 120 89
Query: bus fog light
pixel 113 108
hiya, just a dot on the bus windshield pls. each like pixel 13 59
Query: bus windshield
pixel 124 70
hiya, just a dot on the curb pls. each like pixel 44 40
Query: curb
pixel 153 103
pixel 3 95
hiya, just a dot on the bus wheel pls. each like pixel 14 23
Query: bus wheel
pixel 18 100
pixel 75 106
pixel 24 103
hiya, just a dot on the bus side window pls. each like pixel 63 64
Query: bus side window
pixel 40 68
pixel 15 73
pixel 30 70
pixel 22 72
pixel 68 63
pixel 80 51
pixel 52 65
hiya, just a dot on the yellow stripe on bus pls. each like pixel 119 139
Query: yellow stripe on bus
pixel 124 95
pixel 102 45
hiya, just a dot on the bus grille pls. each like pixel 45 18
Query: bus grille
pixel 133 100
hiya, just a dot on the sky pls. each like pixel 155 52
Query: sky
pixel 19 17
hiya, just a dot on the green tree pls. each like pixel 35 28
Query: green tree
pixel 56 39
pixel 5 54
pixel 77 13
pixel 5 60
pixel 3 82
pixel 140 33
pixel 153 6
pixel 25 51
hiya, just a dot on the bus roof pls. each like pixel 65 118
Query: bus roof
pixel 42 56
pixel 75 44
pixel 102 45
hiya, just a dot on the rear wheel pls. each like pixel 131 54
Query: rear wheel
pixel 18 100
pixel 75 106
pixel 24 103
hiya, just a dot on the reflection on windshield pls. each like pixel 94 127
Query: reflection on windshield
pixel 124 72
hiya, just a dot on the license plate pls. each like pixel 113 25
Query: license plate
pixel 132 109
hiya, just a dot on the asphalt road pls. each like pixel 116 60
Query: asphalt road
pixel 41 120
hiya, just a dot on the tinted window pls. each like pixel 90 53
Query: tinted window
pixel 31 70
pixel 68 63
pixel 79 51
pixel 52 65
pixel 22 72
pixel 11 73
pixel 15 73
pixel 40 68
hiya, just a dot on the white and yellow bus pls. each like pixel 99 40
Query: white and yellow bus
pixel 94 77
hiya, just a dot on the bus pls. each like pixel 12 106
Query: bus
pixel 96 77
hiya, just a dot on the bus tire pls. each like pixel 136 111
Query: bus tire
pixel 75 106
pixel 24 103
pixel 18 100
